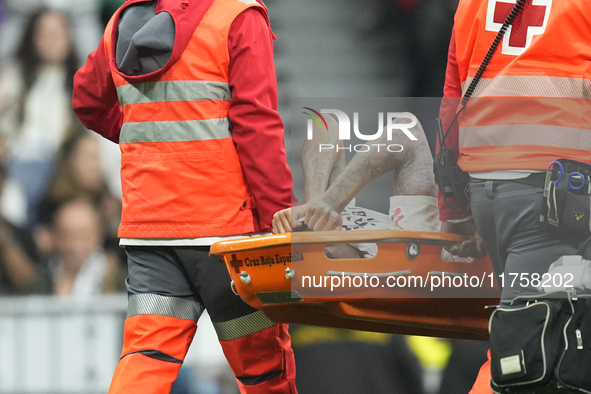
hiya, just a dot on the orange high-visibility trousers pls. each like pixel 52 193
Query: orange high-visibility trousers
pixel 482 384
pixel 169 289
pixel 263 362
pixel 155 346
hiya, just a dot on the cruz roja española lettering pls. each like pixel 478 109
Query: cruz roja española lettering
pixel 273 260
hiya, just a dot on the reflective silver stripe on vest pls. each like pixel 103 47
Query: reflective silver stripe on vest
pixel 154 304
pixel 531 86
pixel 181 130
pixel 560 137
pixel 242 326
pixel 150 92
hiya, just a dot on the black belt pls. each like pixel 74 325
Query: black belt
pixel 537 179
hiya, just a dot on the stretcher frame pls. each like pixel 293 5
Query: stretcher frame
pixel 272 287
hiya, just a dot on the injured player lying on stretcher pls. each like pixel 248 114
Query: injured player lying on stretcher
pixel 330 185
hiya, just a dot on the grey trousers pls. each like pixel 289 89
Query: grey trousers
pixel 190 274
pixel 507 214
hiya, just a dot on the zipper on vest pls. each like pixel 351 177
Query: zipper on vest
pixel 579 339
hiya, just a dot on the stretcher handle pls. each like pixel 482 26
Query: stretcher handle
pixel 377 236
pixel 323 237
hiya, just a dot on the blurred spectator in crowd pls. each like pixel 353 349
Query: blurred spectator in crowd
pixel 79 266
pixel 79 175
pixel 35 91
pixel 83 14
pixel 418 31
pixel 330 360
pixel 19 273
pixel 431 29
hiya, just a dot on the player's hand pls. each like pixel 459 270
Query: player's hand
pixel 320 216
pixel 282 221
pixel 472 247
pixel 316 216
pixel 288 220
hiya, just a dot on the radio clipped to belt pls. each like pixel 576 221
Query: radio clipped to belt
pixel 452 181
pixel 566 196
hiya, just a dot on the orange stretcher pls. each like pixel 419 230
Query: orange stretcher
pixel 290 278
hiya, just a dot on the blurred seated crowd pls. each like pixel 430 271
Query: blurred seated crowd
pixel 60 198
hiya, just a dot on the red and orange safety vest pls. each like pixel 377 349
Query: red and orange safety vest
pixel 180 172
pixel 532 105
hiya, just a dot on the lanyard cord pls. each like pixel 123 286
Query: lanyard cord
pixel 584 246
pixel 487 58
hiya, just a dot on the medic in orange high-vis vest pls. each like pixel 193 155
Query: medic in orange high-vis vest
pixel 529 108
pixel 187 89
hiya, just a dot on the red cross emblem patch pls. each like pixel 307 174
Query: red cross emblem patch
pixel 530 22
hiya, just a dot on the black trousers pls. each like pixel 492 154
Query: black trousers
pixel 507 215
pixel 188 273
